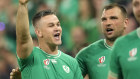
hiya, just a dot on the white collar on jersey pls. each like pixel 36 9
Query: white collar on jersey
pixel 138 32
pixel 106 45
pixel 50 55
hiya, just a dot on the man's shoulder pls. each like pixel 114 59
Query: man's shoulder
pixel 90 49
pixel 37 50
pixel 67 58
pixel 129 37
pixel 93 46
pixel 64 55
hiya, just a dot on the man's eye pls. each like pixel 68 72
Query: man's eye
pixel 51 25
pixel 114 18
pixel 103 19
pixel 58 24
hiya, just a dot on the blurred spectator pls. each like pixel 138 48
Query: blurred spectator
pixel 3 69
pixel 3 13
pixel 122 2
pixel 10 28
pixel 132 21
pixel 132 24
pixel 98 6
pixel 85 13
pixel 86 18
pixel 68 8
pixel 2 34
pixel 67 12
pixel 79 39
pixel 7 63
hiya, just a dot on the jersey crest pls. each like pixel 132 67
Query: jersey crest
pixel 132 54
pixel 102 59
pixel 46 62
pixel 101 62
pixel 66 68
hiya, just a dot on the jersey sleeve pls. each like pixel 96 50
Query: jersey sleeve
pixel 81 61
pixel 115 69
pixel 25 62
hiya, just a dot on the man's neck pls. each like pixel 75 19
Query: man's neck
pixel 110 43
pixel 50 49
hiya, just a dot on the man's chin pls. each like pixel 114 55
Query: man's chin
pixel 58 43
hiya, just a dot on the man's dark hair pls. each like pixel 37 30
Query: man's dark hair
pixel 110 6
pixel 41 14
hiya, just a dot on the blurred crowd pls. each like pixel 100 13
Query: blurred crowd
pixel 80 21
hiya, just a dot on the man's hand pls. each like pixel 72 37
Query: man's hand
pixel 23 1
pixel 15 74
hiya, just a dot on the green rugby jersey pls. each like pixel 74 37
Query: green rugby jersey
pixel 125 58
pixel 40 65
pixel 94 60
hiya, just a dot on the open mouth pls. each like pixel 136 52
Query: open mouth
pixel 109 30
pixel 57 35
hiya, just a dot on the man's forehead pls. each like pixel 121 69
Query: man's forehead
pixel 49 18
pixel 111 12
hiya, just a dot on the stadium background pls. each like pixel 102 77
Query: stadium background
pixel 80 21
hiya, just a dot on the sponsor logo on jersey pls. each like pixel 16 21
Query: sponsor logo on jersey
pixel 132 54
pixel 53 61
pixel 66 68
pixel 101 62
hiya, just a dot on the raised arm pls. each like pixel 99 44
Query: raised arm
pixel 24 40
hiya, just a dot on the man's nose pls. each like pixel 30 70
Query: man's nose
pixel 108 23
pixel 56 28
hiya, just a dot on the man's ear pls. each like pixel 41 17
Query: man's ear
pixel 126 22
pixel 38 32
